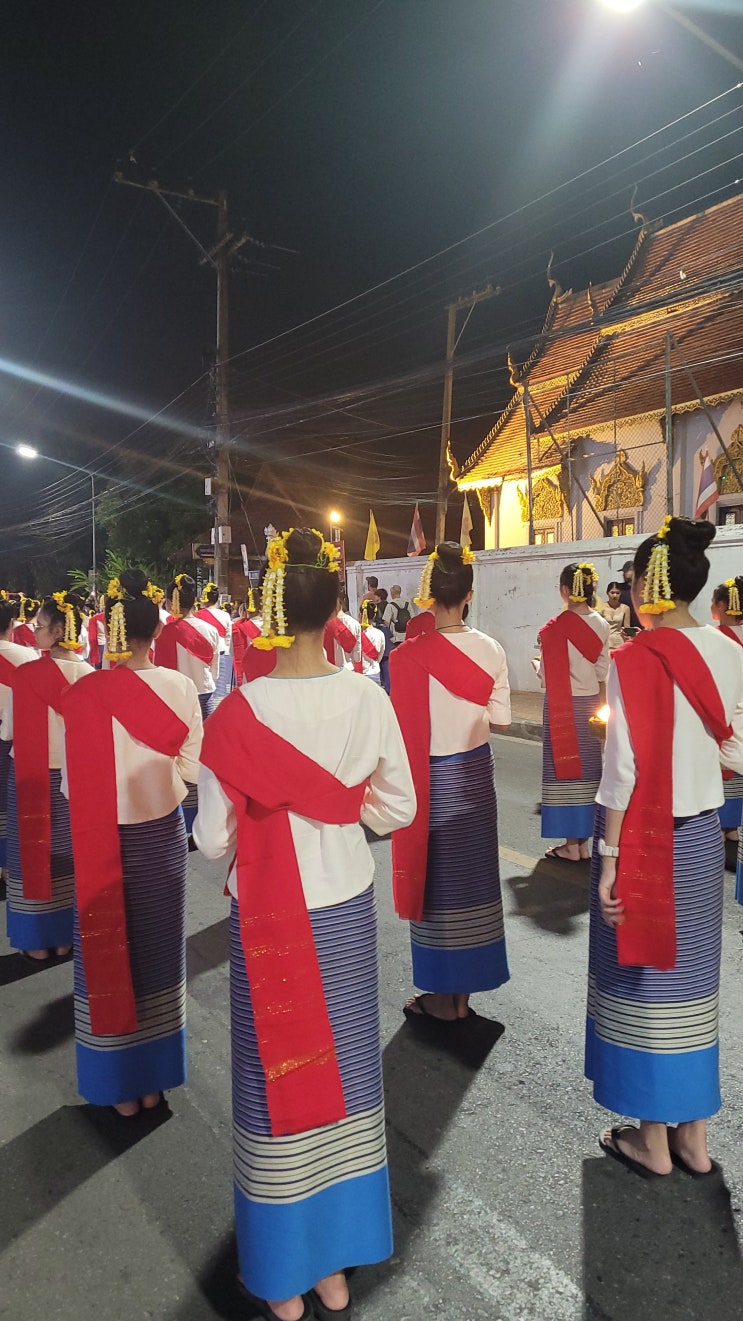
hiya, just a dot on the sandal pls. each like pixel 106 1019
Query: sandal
pixel 636 1166
pixel 422 1012
pixel 560 857
pixel 328 1313
pixel 267 1311
pixel 681 1164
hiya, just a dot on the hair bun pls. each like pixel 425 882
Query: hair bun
pixel 303 545
pixel 690 536
pixel 449 551
pixel 134 581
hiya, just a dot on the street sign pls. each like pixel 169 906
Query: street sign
pixel 204 552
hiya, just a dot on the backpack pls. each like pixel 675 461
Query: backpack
pixel 402 616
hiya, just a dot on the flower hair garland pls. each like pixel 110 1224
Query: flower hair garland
pixel 209 587
pixel 734 607
pixel 175 600
pixel 251 602
pixel 118 649
pixel 584 571
pixel 424 599
pixel 274 632
pixel 70 640
pixel 657 597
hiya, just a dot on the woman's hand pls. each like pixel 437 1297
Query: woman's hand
pixel 612 910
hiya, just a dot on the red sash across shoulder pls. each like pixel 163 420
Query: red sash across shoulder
pixel 368 648
pixel 265 778
pixel 209 618
pixel 181 631
pixel 554 637
pixel 411 665
pixel 648 668
pixel 337 631
pixel 37 686
pixel 24 635
pixel 7 671
pixel 730 633
pixel 89 707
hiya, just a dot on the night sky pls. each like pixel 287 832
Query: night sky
pixel 367 138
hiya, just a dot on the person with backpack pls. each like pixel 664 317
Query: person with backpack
pixel 397 615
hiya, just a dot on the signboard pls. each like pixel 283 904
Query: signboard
pixel 342 561
pixel 204 552
pixel 244 552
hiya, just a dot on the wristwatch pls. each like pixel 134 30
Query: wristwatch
pixel 607 850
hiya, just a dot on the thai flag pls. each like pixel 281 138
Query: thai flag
pixel 416 540
pixel 708 492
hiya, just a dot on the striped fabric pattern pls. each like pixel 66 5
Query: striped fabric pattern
pixel 739 871
pixel 732 809
pixel 36 923
pixel 116 1068
pixel 652 1037
pixel 206 702
pixel 325 1191
pixel 568 805
pixel 190 806
pixel 459 945
pixel 224 679
pixel 5 760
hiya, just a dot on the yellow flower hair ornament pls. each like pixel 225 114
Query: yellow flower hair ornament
pixel 118 648
pixel 70 640
pixel 154 592
pixel 424 598
pixel 364 614
pixel 210 587
pixel 583 571
pixel 175 600
pixel 251 601
pixel 734 607
pixel 274 632
pixel 657 597
pixel 468 556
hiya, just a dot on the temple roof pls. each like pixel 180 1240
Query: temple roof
pixel 601 354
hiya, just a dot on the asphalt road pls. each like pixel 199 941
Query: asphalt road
pixel 504 1208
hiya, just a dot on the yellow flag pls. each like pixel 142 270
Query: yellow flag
pixel 372 539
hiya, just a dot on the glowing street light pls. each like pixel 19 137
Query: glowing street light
pixel 334 518
pixel 623 6
pixel 627 6
pixel 26 451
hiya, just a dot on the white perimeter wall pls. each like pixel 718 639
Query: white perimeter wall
pixel 516 590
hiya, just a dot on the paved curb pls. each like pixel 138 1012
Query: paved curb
pixel 528 729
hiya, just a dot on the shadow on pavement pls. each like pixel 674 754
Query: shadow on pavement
pixel 552 895
pixel 208 949
pixel 665 1250
pixel 54 1157
pixel 54 1023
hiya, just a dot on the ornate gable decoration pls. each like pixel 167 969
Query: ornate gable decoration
pixel 549 502
pixel 727 482
pixel 620 486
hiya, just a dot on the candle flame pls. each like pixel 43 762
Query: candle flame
pixel 603 713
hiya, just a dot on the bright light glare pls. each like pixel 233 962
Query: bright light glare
pixel 623 6
pixel 27 451
pixel 334 516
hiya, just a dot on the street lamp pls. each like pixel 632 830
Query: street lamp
pixel 336 531
pixel 626 7
pixel 25 451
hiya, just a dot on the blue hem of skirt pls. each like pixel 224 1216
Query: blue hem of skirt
pixel 107 1077
pixel 39 930
pixel 739 883
pixel 460 971
pixel 672 1088
pixel 574 822
pixel 285 1248
pixel 730 813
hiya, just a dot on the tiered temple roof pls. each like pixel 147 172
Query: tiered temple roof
pixel 601 355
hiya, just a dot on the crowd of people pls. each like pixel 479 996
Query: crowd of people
pixel 264 735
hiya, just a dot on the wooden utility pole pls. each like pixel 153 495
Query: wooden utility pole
pixel 219 259
pixel 445 456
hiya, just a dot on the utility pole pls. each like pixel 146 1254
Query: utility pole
pixel 446 466
pixel 218 258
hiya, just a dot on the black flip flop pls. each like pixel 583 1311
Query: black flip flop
pixel 267 1311
pixel 324 1313
pixel 414 1017
pixel 558 857
pixel 681 1164
pixel 636 1166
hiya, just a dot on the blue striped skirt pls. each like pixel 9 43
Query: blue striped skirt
pixel 39 923
pixel 459 945
pixel 568 805
pixel 314 1203
pixel 5 760
pixel 652 1037
pixel 190 806
pixel 206 702
pixel 224 680
pixel 739 871
pixel 732 809
pixel 111 1069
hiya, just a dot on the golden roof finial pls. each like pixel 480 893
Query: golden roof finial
pixel 554 283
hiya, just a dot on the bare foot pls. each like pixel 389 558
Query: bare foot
pixel 288 1309
pixel 462 1005
pixel 567 852
pixel 632 1142
pixel 333 1291
pixel 127 1109
pixel 40 955
pixel 62 951
pixel 689 1141
pixel 433 1005
pixel 151 1100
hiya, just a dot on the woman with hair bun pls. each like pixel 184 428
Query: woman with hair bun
pixel 573 669
pixel 24 629
pixel 12 654
pixel 373 643
pixel 131 854
pixel 293 763
pixel 676 711
pixel 211 613
pixel 41 879
pixel 450 689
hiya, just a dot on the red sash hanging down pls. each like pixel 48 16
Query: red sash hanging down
pixel 94 646
pixel 24 635
pixel 422 623
pixel 89 708
pixel 243 633
pixel 265 778
pixel 648 668
pixel 209 618
pixel 181 631
pixel 727 630
pixel 37 686
pixel 7 671
pixel 432 655
pixel 367 646
pixel 554 637
pixel 337 631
